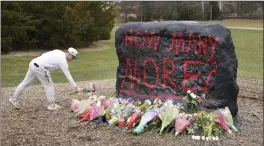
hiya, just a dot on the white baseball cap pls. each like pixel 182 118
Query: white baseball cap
pixel 73 52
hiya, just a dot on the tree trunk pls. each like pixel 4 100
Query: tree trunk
pixel 126 18
pixel 203 9
pixel 211 12
pixel 141 16
pixel 238 10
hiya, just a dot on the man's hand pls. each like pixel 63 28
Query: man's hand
pixel 78 89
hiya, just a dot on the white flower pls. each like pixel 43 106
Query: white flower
pixel 116 105
pixel 155 101
pixel 128 120
pixel 98 103
pixel 170 101
pixel 148 102
pixel 189 92
pixel 192 95
pixel 110 122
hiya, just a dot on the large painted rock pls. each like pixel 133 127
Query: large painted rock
pixel 165 59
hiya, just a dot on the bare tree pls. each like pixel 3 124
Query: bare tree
pixel 126 7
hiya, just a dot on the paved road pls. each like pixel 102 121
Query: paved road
pixel 252 28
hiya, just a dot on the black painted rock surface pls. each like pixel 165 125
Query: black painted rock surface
pixel 165 59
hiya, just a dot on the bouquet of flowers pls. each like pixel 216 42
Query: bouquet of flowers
pixel 182 122
pixel 156 115
pixel 191 102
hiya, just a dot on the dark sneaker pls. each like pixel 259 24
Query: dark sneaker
pixel 235 122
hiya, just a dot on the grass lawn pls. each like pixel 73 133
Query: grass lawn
pixel 240 23
pixel 100 60
pixel 249 51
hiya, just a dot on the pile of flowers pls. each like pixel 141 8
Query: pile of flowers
pixel 161 117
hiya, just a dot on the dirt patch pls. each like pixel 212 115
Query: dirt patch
pixel 35 125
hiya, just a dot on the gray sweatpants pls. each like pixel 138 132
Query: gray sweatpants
pixel 43 76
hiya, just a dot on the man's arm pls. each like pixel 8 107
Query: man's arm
pixel 67 74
